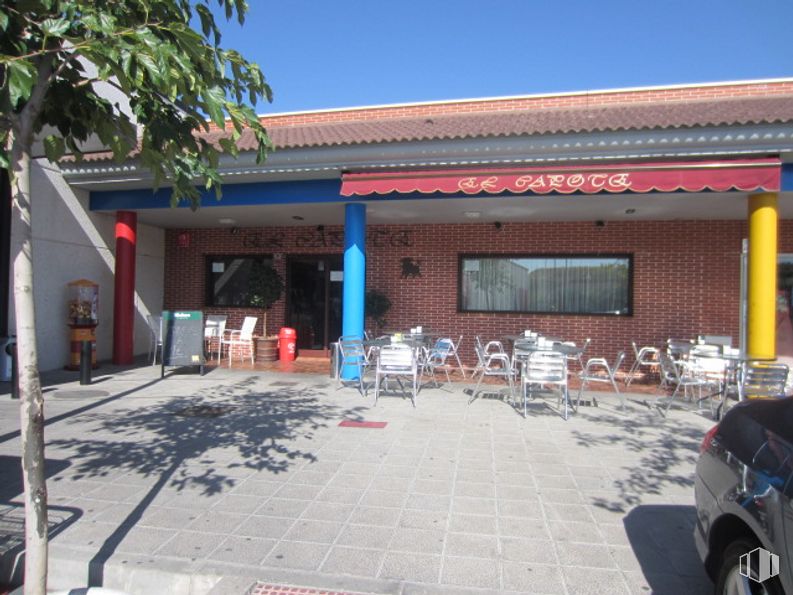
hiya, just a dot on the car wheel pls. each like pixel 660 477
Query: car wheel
pixel 732 582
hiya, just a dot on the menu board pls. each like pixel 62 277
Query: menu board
pixel 182 339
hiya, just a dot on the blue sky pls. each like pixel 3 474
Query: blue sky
pixel 344 53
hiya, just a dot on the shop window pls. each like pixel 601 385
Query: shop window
pixel 228 278
pixel 546 284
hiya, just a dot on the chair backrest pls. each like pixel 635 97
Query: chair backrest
pixel 764 380
pixel 724 340
pixel 545 366
pixel 669 371
pixel 396 358
pixel 214 325
pixel 706 360
pixel 617 362
pixel 352 349
pixel 678 348
pixel 248 326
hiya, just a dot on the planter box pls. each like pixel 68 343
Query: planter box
pixel 266 349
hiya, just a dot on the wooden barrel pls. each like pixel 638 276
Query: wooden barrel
pixel 266 350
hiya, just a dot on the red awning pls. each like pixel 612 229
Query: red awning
pixel 746 175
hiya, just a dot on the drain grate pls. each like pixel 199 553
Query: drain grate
pixel 203 410
pixel 348 423
pixel 269 589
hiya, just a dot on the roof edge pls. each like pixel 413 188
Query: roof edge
pixel 613 91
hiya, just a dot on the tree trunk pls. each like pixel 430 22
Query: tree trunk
pixel 31 402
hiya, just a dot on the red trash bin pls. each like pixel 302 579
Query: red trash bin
pixel 287 338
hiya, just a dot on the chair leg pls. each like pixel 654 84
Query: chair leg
pixel 459 363
pixel 476 390
pixel 672 398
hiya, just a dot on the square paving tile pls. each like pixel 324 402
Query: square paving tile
pixel 242 550
pixel 316 531
pixel 533 578
pixel 283 507
pixel 594 581
pixel 422 568
pixel 353 561
pixel 471 572
pixel 187 544
pixel 470 545
pixel 365 536
pixel 375 515
pixel 265 527
pixel 297 555
pixel 417 540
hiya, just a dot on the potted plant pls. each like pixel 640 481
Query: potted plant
pixel 377 305
pixel 266 288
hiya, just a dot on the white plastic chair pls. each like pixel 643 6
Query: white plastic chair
pixel 399 361
pixel 155 337
pixel 646 356
pixel 544 368
pixel 597 369
pixel 214 327
pixel 241 338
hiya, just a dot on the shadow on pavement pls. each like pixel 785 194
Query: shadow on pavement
pixel 12 516
pixel 662 540
pixel 176 442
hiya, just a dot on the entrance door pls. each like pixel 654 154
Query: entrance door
pixel 314 286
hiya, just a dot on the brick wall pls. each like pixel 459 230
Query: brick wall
pixel 686 274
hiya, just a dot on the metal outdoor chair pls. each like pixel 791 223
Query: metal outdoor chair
pixel 579 356
pixel 644 357
pixel 398 361
pixel 542 369
pixel 680 375
pixel 455 352
pixel 240 339
pixel 764 380
pixel 352 353
pixel 597 369
pixel 485 349
pixel 496 364
pixel 155 337
pixel 436 358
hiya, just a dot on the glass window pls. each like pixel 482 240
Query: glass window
pixel 228 278
pixel 564 284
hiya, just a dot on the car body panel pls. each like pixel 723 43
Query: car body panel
pixel 744 478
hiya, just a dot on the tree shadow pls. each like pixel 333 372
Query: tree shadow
pixel 665 449
pixel 177 442
pixel 12 515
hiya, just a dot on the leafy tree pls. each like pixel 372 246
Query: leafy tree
pixel 55 58
pixel 266 288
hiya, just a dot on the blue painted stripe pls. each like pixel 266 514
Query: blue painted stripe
pixel 260 193
pixel 297 192
pixel 787 177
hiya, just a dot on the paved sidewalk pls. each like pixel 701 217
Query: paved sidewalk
pixel 215 484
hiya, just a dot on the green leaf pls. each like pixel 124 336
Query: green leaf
pixel 54 148
pixel 3 20
pixel 55 27
pixel 21 77
pixel 214 99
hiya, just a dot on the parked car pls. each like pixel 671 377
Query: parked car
pixel 743 489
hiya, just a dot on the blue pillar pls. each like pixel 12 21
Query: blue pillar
pixel 352 312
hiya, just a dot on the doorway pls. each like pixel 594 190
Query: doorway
pixel 314 294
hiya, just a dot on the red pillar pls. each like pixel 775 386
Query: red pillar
pixel 124 299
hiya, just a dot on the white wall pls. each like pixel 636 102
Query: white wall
pixel 69 243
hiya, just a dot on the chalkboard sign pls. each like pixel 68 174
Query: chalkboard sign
pixel 182 339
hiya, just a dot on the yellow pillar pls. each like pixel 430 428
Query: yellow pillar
pixel 762 275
